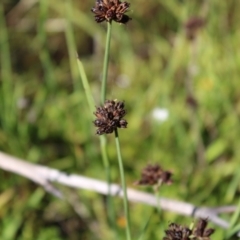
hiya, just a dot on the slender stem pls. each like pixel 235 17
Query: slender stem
pixel 158 202
pixel 157 194
pixel 103 139
pixel 125 199
pixel 71 45
pixel 146 225
pixel 111 214
pixel 6 74
pixel 42 49
pixel 103 97
pixel 105 64
pixel 111 211
pixel 86 86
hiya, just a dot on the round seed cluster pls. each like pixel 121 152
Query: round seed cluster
pixel 109 117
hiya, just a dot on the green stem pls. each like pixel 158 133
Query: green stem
pixel 111 214
pixel 125 199
pixel 103 139
pixel 71 44
pixel 86 86
pixel 158 202
pixel 6 99
pixel 105 64
pixel 156 189
pixel 42 49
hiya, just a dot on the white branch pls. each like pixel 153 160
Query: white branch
pixel 44 176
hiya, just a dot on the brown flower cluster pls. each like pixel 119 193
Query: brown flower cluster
pixel 178 232
pixel 109 117
pixel 111 10
pixel 154 175
pixel 201 231
pixel 192 26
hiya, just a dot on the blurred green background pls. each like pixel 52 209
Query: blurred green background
pixel 181 57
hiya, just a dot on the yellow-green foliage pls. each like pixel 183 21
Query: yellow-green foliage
pixel 45 118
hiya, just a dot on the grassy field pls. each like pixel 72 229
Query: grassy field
pixel 179 57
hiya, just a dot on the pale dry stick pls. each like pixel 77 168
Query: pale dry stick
pixel 45 176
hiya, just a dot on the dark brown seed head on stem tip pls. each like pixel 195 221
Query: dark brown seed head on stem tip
pixel 110 117
pixel 192 25
pixel 154 175
pixel 177 232
pixel 192 102
pixel 201 230
pixel 111 10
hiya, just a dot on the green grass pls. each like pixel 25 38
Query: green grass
pixel 45 117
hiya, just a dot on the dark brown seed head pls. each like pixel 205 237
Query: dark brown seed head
pixel 111 10
pixel 177 232
pixel 192 25
pixel 201 230
pixel 192 102
pixel 154 175
pixel 109 117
